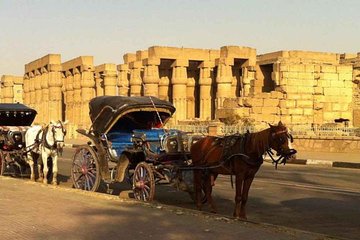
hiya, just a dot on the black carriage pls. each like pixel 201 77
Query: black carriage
pixel 15 119
pixel 127 142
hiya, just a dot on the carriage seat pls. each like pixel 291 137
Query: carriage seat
pixel 153 138
pixel 119 140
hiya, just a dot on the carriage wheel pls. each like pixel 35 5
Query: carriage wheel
pixel 144 182
pixel 2 164
pixel 85 171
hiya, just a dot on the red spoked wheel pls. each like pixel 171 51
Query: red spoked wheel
pixel 144 182
pixel 85 172
pixel 2 163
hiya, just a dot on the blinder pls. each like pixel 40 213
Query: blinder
pixel 63 130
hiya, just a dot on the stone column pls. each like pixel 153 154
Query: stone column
pixel 179 81
pixel 248 74
pixel 164 88
pixel 110 79
pixel 190 98
pixel 18 89
pixel 224 80
pixel 26 89
pixel 99 82
pixel 123 80
pixel 69 101
pixel 55 84
pixel 8 91
pixel 135 78
pixel 151 77
pixel 234 81
pixel 38 97
pixel 87 93
pixel 205 82
pixel 32 90
pixel 44 105
pixel 77 98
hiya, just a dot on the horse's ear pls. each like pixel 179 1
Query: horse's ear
pixel 271 126
pixel 280 123
pixel 52 122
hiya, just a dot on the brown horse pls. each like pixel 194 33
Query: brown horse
pixel 239 155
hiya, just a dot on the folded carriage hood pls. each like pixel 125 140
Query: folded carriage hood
pixel 16 114
pixel 107 112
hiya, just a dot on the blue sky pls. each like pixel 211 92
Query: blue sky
pixel 108 29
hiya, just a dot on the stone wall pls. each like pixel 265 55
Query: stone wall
pixel 11 90
pixel 329 144
pixel 354 60
pixel 298 88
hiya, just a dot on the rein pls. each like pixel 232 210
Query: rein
pixel 280 160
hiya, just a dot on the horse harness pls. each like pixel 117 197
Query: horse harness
pixel 282 158
pixel 42 140
pixel 227 143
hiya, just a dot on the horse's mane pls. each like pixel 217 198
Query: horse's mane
pixel 257 143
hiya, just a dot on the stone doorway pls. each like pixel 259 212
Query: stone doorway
pixel 265 78
pixel 213 92
pixel 237 73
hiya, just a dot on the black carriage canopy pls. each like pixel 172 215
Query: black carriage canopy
pixel 110 113
pixel 16 114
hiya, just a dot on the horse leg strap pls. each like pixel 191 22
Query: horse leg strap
pixel 232 181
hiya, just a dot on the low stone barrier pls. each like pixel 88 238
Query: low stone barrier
pixel 328 144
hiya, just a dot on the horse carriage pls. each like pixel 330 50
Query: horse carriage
pixel 15 120
pixel 128 143
pixel 22 144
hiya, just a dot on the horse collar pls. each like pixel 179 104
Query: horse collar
pixel 45 142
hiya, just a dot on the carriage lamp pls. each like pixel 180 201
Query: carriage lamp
pixel 17 137
pixel 173 144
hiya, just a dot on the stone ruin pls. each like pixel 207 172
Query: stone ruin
pixel 230 84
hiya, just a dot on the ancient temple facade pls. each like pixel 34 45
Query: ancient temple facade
pixel 196 81
pixel 297 87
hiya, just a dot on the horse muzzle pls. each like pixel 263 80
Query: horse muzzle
pixel 287 153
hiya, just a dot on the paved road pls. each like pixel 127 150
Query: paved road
pixel 317 199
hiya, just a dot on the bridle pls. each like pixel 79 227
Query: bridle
pixel 53 131
pixel 282 156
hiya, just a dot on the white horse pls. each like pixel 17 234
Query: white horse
pixel 48 142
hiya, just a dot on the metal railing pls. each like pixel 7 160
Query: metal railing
pixel 196 129
pixel 325 131
pixel 232 129
pixel 296 130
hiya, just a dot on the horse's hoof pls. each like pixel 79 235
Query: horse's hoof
pixel 45 182
pixel 54 183
pixel 40 180
pixel 242 218
pixel 213 211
